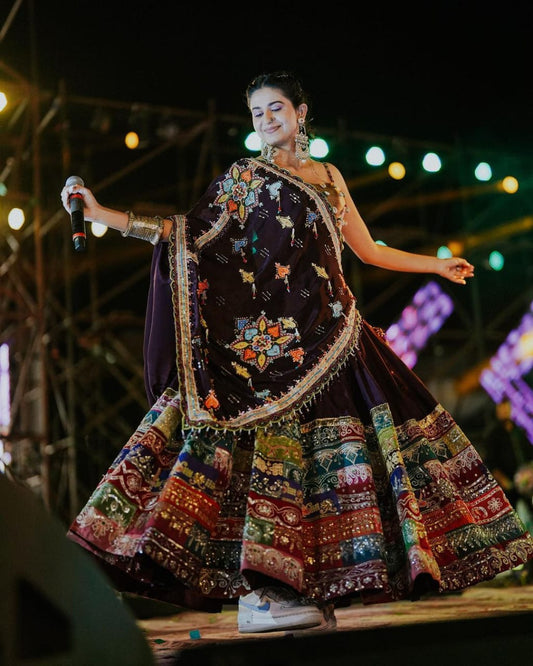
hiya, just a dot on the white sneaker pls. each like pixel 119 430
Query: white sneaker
pixel 276 609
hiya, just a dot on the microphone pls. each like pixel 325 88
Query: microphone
pixel 77 217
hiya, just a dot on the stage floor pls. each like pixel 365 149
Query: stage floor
pixel 171 634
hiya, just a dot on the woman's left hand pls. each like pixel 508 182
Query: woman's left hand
pixel 455 269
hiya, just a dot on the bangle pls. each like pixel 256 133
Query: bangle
pixel 145 228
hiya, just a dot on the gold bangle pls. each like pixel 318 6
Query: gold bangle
pixel 143 227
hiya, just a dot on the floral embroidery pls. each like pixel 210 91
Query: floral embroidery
pixel 282 273
pixel 290 324
pixel 211 400
pixel 203 286
pixel 297 355
pixel 336 309
pixel 240 192
pixel 321 272
pixel 248 277
pixel 238 247
pixel 286 223
pixel 310 221
pixel 261 342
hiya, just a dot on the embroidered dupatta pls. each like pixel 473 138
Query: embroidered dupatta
pixel 263 318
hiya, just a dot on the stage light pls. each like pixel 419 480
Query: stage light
pixel 419 320
pixel 98 229
pixel 131 140
pixel 483 171
pixel 444 252
pixel 375 156
pixel 431 162
pixel 3 101
pixel 509 374
pixel 3 189
pixel 16 219
pixel 253 142
pixel 380 242
pixel 396 170
pixel 496 260
pixel 318 147
pixel 509 184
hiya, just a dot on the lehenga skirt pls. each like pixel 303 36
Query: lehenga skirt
pixel 372 490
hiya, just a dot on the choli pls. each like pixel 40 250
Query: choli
pixel 335 197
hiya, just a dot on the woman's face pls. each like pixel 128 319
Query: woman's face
pixel 274 117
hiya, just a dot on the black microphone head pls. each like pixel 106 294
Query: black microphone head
pixel 74 180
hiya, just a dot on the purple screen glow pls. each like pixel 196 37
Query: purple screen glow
pixel 508 371
pixel 423 317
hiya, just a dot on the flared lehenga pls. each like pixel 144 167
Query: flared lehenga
pixel 362 485
pixel 371 487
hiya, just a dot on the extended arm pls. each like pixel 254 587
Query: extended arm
pixel 359 239
pixel 119 220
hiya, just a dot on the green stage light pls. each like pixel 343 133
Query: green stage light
pixel 444 252
pixel 496 260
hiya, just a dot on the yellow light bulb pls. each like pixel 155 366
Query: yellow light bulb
pixel 396 170
pixel 131 140
pixel 510 184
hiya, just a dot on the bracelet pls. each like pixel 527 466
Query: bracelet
pixel 145 228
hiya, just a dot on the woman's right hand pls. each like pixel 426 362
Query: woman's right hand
pixel 91 205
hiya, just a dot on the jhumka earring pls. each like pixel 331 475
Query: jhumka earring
pixel 268 152
pixel 302 142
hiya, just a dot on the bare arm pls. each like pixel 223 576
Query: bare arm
pixel 359 239
pixel 94 212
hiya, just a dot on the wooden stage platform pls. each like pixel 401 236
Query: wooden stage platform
pixel 491 623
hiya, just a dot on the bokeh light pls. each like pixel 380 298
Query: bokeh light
pixel 431 162
pixel 483 171
pixel 16 218
pixel 98 229
pixel 131 140
pixel 375 156
pixel 396 170
pixel 510 184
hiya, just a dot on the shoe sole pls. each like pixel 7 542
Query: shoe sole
pixel 256 623
pixel 256 628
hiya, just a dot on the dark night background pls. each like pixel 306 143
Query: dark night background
pixel 431 70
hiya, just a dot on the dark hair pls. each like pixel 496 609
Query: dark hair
pixel 289 85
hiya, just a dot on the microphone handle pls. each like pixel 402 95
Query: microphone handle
pixel 77 221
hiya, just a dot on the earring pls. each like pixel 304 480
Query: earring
pixel 302 142
pixel 268 152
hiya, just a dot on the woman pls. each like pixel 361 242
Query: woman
pixel 290 459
